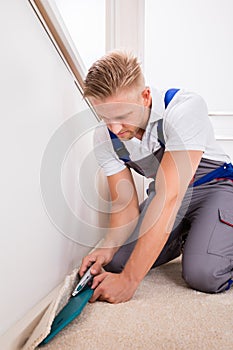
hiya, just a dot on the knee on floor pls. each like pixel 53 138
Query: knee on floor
pixel 115 265
pixel 203 273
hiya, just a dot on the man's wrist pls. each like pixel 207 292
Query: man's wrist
pixel 110 245
pixel 131 277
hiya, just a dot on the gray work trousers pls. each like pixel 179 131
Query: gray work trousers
pixel 203 233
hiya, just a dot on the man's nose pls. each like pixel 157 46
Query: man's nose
pixel 115 127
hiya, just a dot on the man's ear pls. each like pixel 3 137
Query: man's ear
pixel 146 95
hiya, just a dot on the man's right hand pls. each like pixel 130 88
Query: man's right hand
pixel 98 258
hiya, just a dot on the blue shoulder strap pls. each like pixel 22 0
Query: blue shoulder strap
pixel 167 99
pixel 119 146
pixel 169 96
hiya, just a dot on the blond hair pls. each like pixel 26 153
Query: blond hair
pixel 113 72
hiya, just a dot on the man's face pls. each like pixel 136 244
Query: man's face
pixel 125 114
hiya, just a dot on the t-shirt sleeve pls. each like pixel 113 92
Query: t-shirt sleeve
pixel 186 124
pixel 104 152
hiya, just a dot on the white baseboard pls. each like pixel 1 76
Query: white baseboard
pixel 16 336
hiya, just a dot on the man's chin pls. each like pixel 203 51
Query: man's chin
pixel 125 136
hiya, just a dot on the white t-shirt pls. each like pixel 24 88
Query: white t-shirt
pixel 186 126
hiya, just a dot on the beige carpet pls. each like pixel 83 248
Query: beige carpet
pixel 164 314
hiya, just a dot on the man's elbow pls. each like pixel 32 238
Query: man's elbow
pixel 169 197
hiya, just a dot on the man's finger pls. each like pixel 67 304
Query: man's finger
pixel 97 266
pixel 98 279
pixel 96 284
pixel 97 293
pixel 86 263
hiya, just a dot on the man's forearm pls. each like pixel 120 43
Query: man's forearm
pixel 121 226
pixel 152 238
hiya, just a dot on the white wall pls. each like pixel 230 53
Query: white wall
pixel 125 26
pixel 38 99
pixel 189 44
pixel 85 21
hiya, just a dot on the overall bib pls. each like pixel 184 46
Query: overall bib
pixel 203 229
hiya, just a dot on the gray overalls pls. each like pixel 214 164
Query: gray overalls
pixel 203 230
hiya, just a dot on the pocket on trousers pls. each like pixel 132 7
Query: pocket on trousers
pixel 221 241
pixel 226 216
